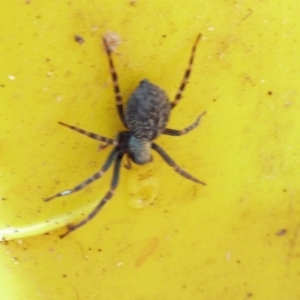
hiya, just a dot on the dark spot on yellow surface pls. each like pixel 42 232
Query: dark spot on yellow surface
pixel 281 232
pixel 79 39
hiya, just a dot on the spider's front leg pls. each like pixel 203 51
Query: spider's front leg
pixel 108 196
pixel 96 176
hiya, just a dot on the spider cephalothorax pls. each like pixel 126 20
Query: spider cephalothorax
pixel 146 116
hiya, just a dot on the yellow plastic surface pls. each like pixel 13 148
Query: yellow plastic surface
pixel 161 236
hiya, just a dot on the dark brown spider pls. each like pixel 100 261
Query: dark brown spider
pixel 146 117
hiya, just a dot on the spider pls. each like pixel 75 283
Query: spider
pixel 145 118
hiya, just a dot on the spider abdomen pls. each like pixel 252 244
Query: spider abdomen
pixel 147 111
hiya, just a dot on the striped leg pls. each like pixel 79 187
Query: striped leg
pixel 186 74
pixel 96 176
pixel 172 163
pixel 108 196
pixel 174 132
pixel 115 82
pixel 91 135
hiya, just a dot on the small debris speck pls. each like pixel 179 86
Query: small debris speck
pixel 281 232
pixel 79 39
pixel 113 40
pixel 132 3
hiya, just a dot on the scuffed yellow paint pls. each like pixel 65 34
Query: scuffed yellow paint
pixel 161 236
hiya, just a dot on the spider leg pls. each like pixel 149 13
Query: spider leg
pixel 174 132
pixel 108 196
pixel 172 163
pixel 96 176
pixel 91 134
pixel 115 82
pixel 127 165
pixel 186 74
pixel 102 146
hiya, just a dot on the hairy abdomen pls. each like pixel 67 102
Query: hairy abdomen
pixel 147 111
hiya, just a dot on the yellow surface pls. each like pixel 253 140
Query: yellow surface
pixel 161 237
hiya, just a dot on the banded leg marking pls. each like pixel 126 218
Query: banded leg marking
pixel 107 197
pixel 91 134
pixel 186 74
pixel 96 176
pixel 115 81
pixel 174 132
